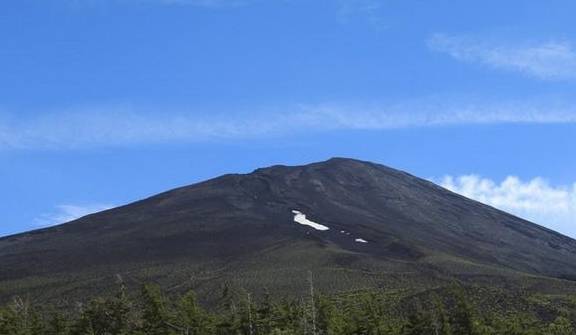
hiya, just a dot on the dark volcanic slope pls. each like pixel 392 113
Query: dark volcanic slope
pixel 242 226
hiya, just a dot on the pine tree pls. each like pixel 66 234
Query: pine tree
pixel 192 319
pixel 105 316
pixel 440 319
pixel 560 326
pixel 330 318
pixel 312 302
pixel 20 318
pixel 57 325
pixel 463 316
pixel 8 322
pixel 266 315
pixel 155 316
pixel 420 322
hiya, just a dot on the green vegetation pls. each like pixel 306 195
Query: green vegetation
pixel 448 311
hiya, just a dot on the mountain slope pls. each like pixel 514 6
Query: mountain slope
pixel 383 226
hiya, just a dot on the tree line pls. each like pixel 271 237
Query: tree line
pixel 152 312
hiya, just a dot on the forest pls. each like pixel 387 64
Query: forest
pixel 372 312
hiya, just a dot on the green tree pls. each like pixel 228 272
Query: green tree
pixel 8 322
pixel 463 322
pixel 20 318
pixel 155 313
pixel 560 326
pixel 110 316
pixel 331 318
pixel 420 322
pixel 57 325
pixel 440 318
pixel 191 318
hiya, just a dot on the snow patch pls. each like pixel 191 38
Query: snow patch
pixel 360 240
pixel 300 218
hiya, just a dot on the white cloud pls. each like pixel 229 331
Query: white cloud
pixel 67 213
pixel 535 200
pixel 125 125
pixel 548 60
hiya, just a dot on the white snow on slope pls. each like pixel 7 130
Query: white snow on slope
pixel 361 240
pixel 300 218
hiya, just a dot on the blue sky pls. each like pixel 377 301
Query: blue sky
pixel 104 102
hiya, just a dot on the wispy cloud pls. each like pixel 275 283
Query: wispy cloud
pixel 543 59
pixel 67 213
pixel 536 200
pixel 214 4
pixel 204 3
pixel 126 125
pixel 345 9
pixel 370 10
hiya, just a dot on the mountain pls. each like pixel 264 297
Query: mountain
pixel 354 224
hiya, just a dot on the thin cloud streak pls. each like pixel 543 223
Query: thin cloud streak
pixel 206 3
pixel 369 10
pixel 126 126
pixel 209 4
pixel 535 200
pixel 546 60
pixel 67 213
pixel 346 9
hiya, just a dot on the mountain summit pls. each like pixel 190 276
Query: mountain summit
pixel 353 223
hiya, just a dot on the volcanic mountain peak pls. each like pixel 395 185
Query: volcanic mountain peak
pixel 338 215
pixel 330 166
